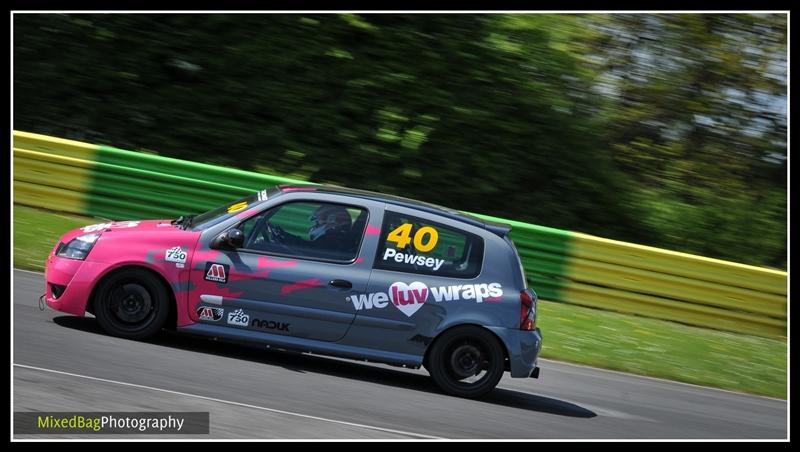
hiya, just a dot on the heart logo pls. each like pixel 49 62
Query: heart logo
pixel 408 298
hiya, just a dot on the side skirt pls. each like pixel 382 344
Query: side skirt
pixel 303 345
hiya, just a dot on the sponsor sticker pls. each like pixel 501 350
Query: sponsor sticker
pixel 125 224
pixel 96 227
pixel 210 313
pixel 270 325
pixel 176 254
pixel 101 226
pixel 237 207
pixel 216 272
pixel 238 317
pixel 409 298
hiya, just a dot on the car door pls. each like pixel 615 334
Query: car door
pixel 299 261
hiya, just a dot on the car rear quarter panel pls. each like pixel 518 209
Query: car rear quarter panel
pixel 390 329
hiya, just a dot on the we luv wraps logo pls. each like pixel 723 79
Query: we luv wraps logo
pixel 409 298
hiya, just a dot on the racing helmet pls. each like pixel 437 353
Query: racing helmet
pixel 329 219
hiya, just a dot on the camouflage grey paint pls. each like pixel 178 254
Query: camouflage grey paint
pixel 288 302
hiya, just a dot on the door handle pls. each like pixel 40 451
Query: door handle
pixel 342 284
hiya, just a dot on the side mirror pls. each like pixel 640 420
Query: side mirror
pixel 232 239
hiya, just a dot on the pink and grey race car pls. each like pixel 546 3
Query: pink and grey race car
pixel 317 269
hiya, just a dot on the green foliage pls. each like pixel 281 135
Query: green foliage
pixel 605 124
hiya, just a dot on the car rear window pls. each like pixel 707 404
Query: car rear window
pixel 415 245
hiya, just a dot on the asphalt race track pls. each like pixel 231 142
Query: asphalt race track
pixel 65 363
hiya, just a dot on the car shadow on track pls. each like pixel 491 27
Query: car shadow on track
pixel 303 363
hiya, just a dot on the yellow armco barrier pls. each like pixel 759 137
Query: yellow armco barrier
pixel 52 172
pixel 680 264
pixel 696 290
pixel 56 146
pixel 660 308
pixel 676 287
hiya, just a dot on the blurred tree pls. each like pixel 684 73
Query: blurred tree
pixel 658 129
pixel 698 120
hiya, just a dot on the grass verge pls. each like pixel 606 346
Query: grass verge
pixel 663 349
pixel 37 231
pixel 571 333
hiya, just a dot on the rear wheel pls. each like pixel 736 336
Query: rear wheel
pixel 466 362
pixel 132 304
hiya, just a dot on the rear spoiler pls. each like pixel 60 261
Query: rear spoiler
pixel 498 228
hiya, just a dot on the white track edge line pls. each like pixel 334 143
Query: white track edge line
pixel 229 402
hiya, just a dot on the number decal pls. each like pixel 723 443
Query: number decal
pixel 401 235
pixel 425 238
pixel 433 239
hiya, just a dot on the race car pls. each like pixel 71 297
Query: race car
pixel 315 269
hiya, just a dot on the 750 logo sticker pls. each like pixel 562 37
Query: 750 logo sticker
pixel 176 254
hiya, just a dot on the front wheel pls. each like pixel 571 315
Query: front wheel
pixel 132 304
pixel 466 362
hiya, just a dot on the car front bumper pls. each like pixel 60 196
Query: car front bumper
pixel 76 276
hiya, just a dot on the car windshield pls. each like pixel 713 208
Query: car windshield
pixel 227 210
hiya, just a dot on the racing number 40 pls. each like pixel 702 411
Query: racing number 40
pixel 425 238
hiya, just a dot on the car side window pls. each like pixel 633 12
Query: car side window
pixel 307 230
pixel 414 245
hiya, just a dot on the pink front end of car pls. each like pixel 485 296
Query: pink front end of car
pixel 144 244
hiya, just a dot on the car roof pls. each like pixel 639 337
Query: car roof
pixel 497 228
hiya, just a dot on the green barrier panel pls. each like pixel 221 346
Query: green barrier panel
pixel 160 187
pixel 545 254
pixel 560 265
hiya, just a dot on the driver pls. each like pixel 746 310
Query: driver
pixel 329 230
pixel 329 223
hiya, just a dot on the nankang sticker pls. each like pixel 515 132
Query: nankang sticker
pixel 176 254
pixel 96 227
pixel 216 272
pixel 270 325
pixel 409 298
pixel 238 317
pixel 125 224
pixel 209 313
pixel 101 226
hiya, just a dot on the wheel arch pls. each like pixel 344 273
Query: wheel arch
pixel 172 317
pixel 438 336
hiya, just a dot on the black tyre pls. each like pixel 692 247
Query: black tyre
pixel 132 303
pixel 466 362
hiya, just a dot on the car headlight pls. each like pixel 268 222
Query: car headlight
pixel 79 247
